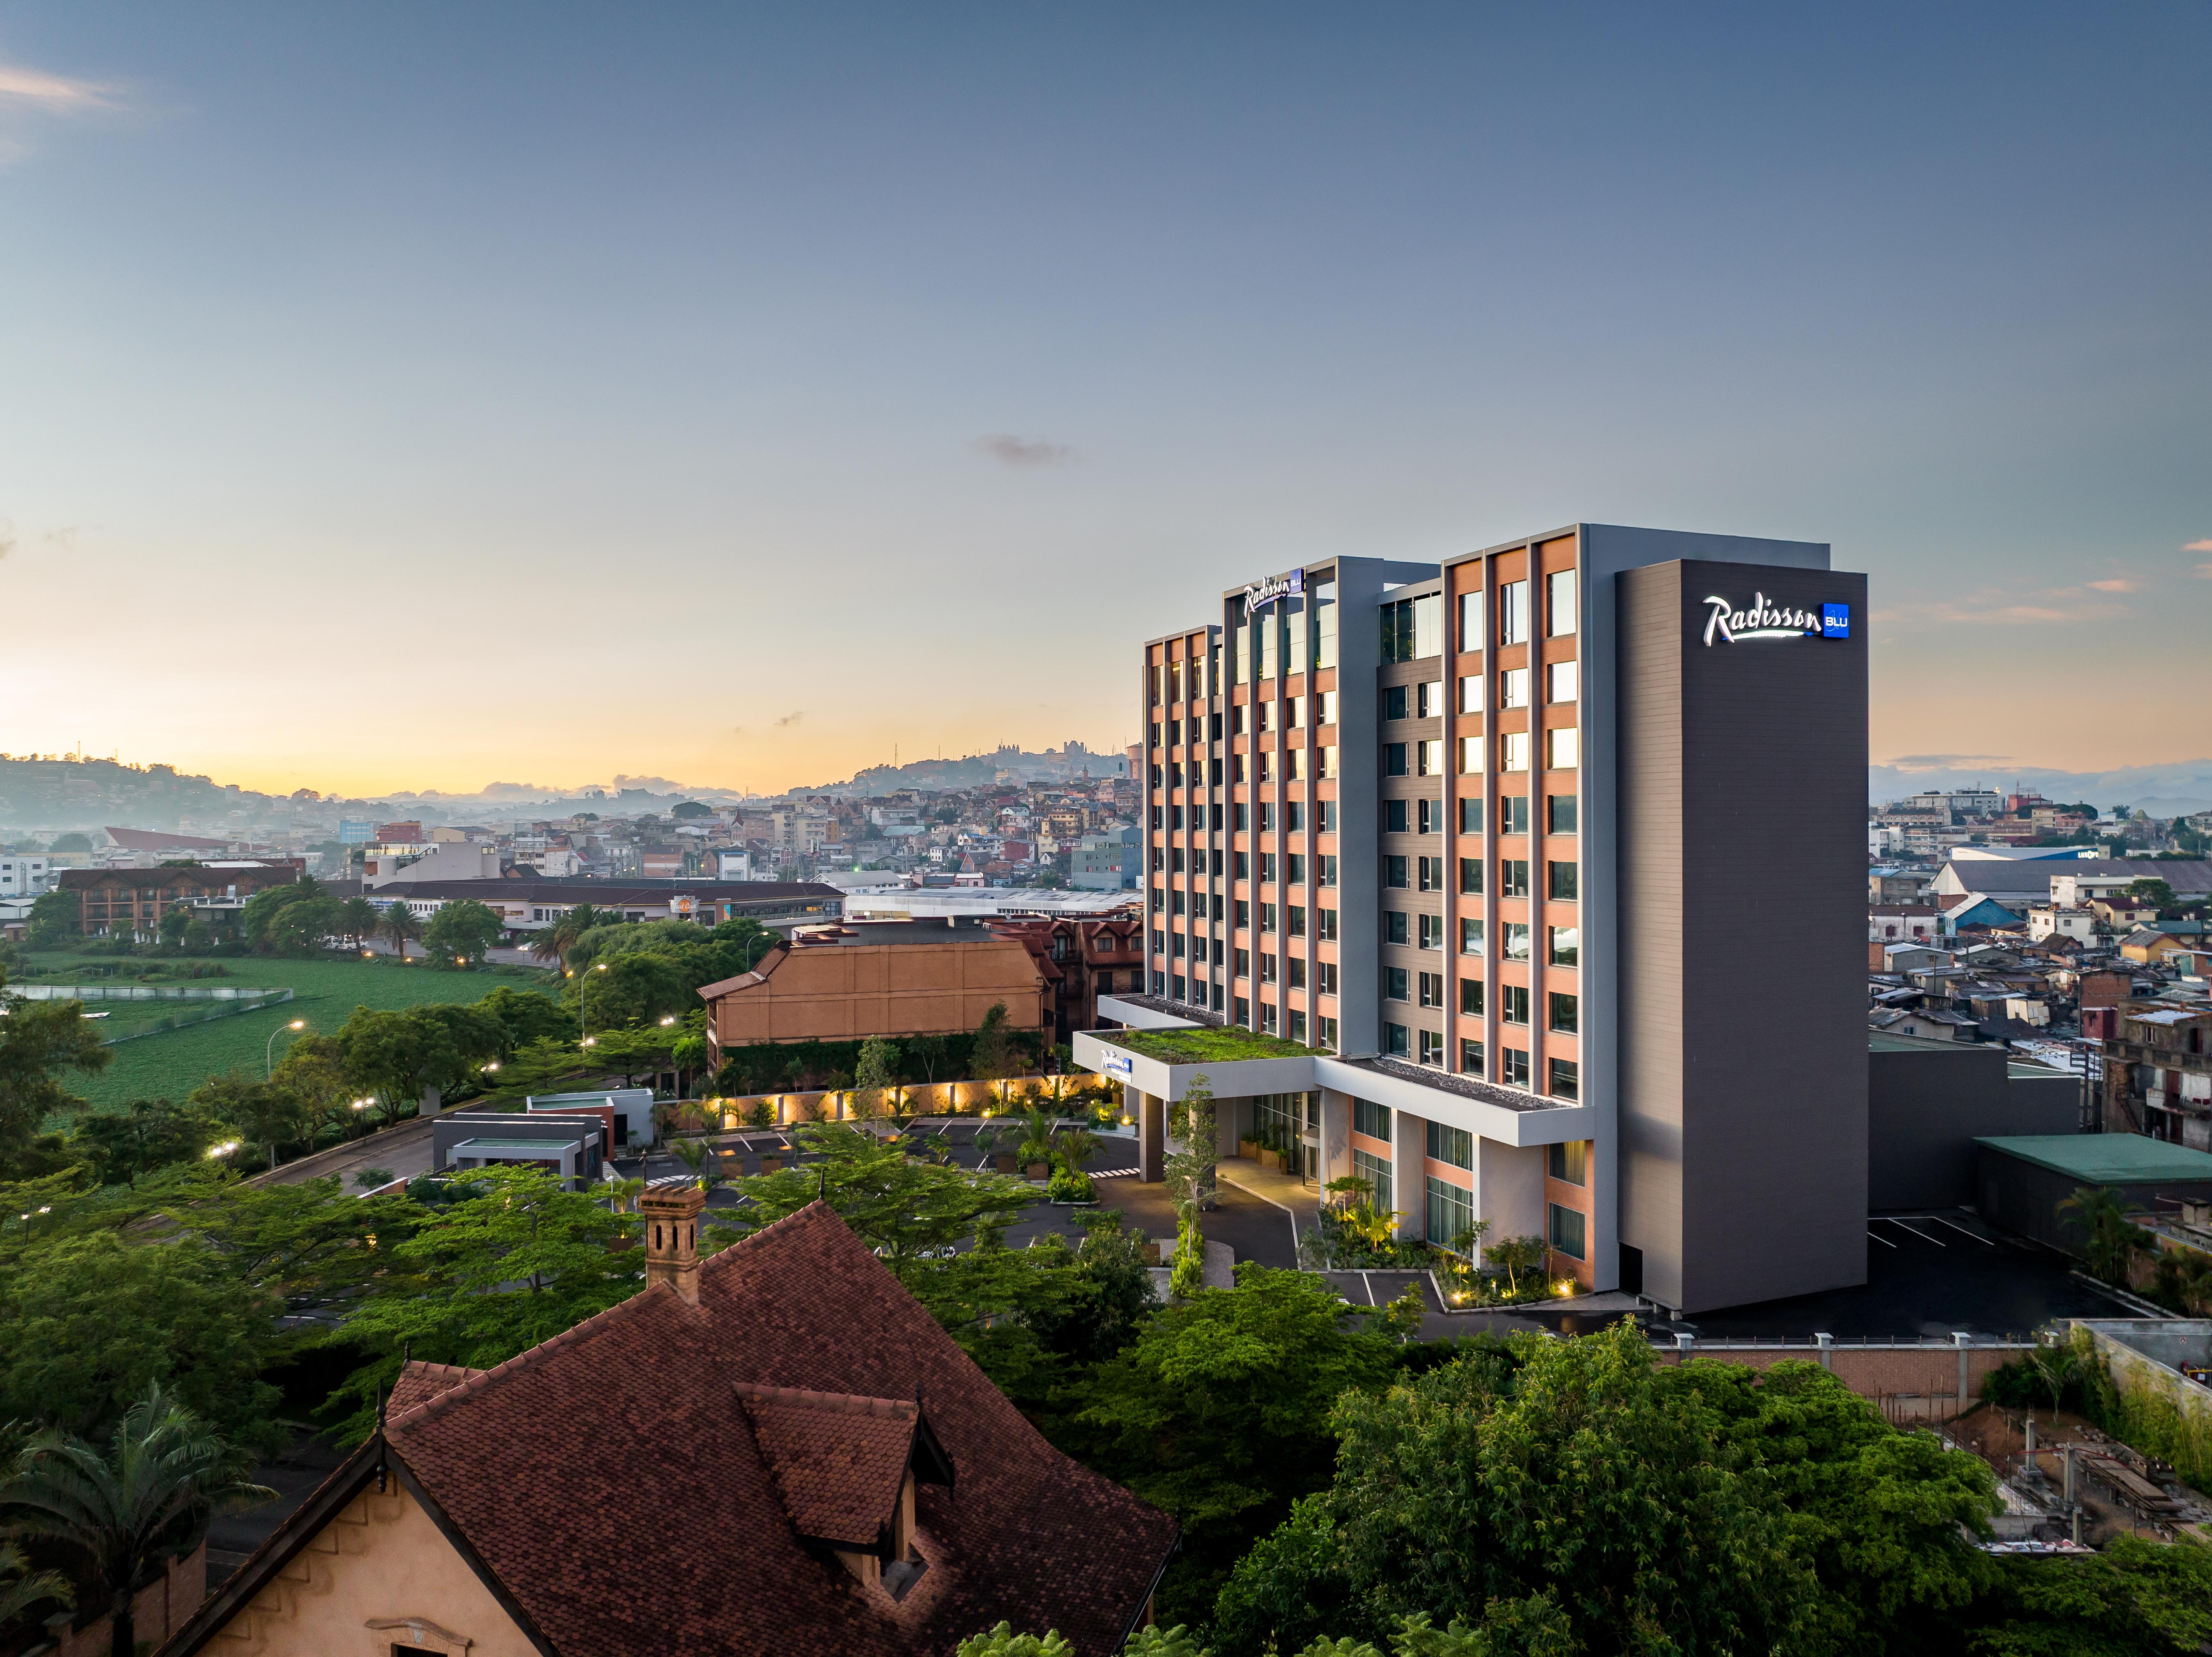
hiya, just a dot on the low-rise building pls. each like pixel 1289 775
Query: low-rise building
pixel 2058 921
pixel 1887 921
pixel 133 901
pixel 1106 862
pixel 2158 1074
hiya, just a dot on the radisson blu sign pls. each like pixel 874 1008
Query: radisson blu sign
pixel 1728 624
pixel 1276 587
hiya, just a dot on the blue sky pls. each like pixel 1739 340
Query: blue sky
pixel 417 396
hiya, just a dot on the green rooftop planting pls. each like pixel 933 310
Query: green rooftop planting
pixel 1201 1045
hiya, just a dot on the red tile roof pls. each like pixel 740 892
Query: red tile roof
pixel 419 1383
pixel 839 1461
pixel 547 1463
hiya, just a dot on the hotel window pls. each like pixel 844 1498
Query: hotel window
pixel 1267 869
pixel 1567 946
pixel 1241 864
pixel 1513 1067
pixel 1159 941
pixel 1565 884
pixel 1295 720
pixel 1451 1216
pixel 1394 817
pixel 1470 997
pixel 1294 765
pixel 1175 901
pixel 1153 692
pixel 1326 810
pixel 1453 1145
pixel 1266 817
pixel 1325 976
pixel 1470 1057
pixel 1397 984
pixel 1513 877
pixel 1563 748
pixel 1175 859
pixel 1269 967
pixel 1432 988
pixel 1569 1163
pixel 1394 759
pixel 1470 877
pixel 1237 768
pixel 1265 768
pixel 1154 730
pixel 1243 917
pixel 1325 869
pixel 1294 868
pixel 1516 941
pixel 1294 972
pixel 1175 774
pixel 1429 758
pixel 1159 859
pixel 1267 1017
pixel 1325 1033
pixel 1512 753
pixel 1559 684
pixel 1429 871
pixel 1295 626
pixel 1325 706
pixel 1377 1173
pixel 1395 1039
pixel 1295 1026
pixel 1394 702
pixel 1566 1013
pixel 1325 625
pixel 1470 756
pixel 1512 1003
pixel 1560 815
pixel 1297 919
pixel 1242 969
pixel 1240 817
pixel 1412 627
pixel 1159 983
pixel 1567 1079
pixel 1432 932
pixel 1178 988
pixel 1241 1011
pixel 1513 813
pixel 1175 681
pixel 1513 612
pixel 1513 688
pixel 1470 621
pixel 1393 872
pixel 1470 693
pixel 1175 733
pixel 1560 603
pixel 1470 937
pixel 1237 719
pixel 1325 925
pixel 1429 699
pixel 1428 816
pixel 1269 628
pixel 1432 1048
pixel 1470 816
pixel 1294 817
pixel 1268 918
pixel 1370 1119
pixel 1324 763
pixel 1567 1233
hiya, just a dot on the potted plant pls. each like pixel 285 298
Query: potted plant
pixel 1271 1158
pixel 1248 1150
pixel 771 1164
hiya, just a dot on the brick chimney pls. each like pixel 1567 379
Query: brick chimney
pixel 670 1209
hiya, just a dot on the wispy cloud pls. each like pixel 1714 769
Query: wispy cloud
pixel 1936 762
pixel 789 719
pixel 2197 546
pixel 1010 450
pixel 34 88
pixel 2116 584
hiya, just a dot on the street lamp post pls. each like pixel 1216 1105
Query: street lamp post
pixel 269 1050
pixel 583 1027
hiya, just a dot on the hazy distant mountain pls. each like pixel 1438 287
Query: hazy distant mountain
pixel 2176 790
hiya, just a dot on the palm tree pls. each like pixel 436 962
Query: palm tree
pixel 2113 1240
pixel 558 939
pixel 20 1588
pixel 149 1496
pixel 399 928
pixel 360 919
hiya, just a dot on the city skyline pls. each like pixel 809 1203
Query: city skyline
pixel 430 399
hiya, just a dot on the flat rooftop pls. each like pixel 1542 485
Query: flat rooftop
pixel 2106 1158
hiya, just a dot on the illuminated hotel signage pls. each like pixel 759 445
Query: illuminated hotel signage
pixel 1280 587
pixel 1729 625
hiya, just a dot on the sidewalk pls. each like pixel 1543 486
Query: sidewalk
pixel 1286 1191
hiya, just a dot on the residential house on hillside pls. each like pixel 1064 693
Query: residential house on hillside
pixel 818 1470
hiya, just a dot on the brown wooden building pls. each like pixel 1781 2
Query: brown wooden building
pixel 135 900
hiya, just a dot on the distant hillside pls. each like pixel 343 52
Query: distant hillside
pixel 2176 790
pixel 88 794
pixel 975 770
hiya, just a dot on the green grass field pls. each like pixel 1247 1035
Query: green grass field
pixel 172 1064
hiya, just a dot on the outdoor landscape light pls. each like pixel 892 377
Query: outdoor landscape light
pixel 671 1019
pixel 494 1065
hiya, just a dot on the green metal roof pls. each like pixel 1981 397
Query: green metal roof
pixel 2106 1158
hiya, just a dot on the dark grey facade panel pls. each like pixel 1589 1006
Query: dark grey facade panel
pixel 1925 1109
pixel 1742 771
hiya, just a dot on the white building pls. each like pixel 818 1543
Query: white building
pixel 23 877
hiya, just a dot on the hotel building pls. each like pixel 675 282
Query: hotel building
pixel 1549 858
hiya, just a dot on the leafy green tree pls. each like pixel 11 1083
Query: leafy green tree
pixel 119 1146
pixel 359 919
pixel 991 1058
pixel 528 1016
pixel 2109 1240
pixel 690 1056
pixel 1191 1170
pixel 514 1261
pixel 2152 892
pixel 263 1113
pixel 877 1074
pixel 313 1081
pixel 1032 1318
pixel 558 938
pixel 462 933
pixel 296 919
pixel 2135 1599
pixel 1578 1499
pixel 149 1496
pixel 93 1321
pixel 1218 1413
pixel 638 988
pixel 1514 1256
pixel 22 1587
pixel 175 925
pixel 417 1053
pixel 37 1038
pixel 649 1051
pixel 54 919
pixel 306 1243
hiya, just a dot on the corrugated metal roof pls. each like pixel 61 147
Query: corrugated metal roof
pixel 2107 1159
